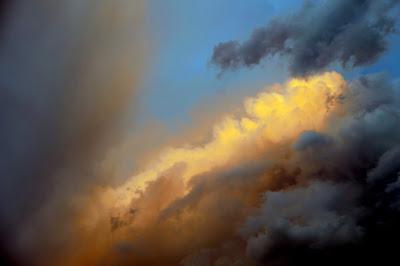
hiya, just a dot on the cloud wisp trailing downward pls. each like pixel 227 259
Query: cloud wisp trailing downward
pixel 69 70
pixel 349 32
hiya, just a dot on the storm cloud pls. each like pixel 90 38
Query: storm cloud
pixel 349 32
pixel 324 194
pixel 307 172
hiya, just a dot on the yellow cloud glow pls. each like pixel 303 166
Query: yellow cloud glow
pixel 296 106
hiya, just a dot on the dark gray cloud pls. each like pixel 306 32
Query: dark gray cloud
pixel 345 200
pixel 311 140
pixel 388 165
pixel 351 32
pixel 319 215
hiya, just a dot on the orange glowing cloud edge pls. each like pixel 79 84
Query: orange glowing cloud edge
pixel 272 116
pixel 277 115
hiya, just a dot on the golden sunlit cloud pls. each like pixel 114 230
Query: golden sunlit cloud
pixel 193 200
pixel 296 106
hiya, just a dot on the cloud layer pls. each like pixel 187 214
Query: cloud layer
pixel 297 186
pixel 307 173
pixel 349 32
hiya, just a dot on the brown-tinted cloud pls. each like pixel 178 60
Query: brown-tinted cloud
pixel 69 71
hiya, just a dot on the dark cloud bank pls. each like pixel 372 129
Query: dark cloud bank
pixel 350 32
pixel 340 204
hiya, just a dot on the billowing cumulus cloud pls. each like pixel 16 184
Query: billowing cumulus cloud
pixel 350 32
pixel 306 173
pixel 289 181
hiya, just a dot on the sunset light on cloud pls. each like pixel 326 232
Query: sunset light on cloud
pixel 145 133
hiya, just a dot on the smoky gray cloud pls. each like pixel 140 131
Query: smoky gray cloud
pixel 68 72
pixel 351 33
pixel 317 216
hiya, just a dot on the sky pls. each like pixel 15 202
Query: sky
pixel 180 75
pixel 183 34
pixel 199 133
